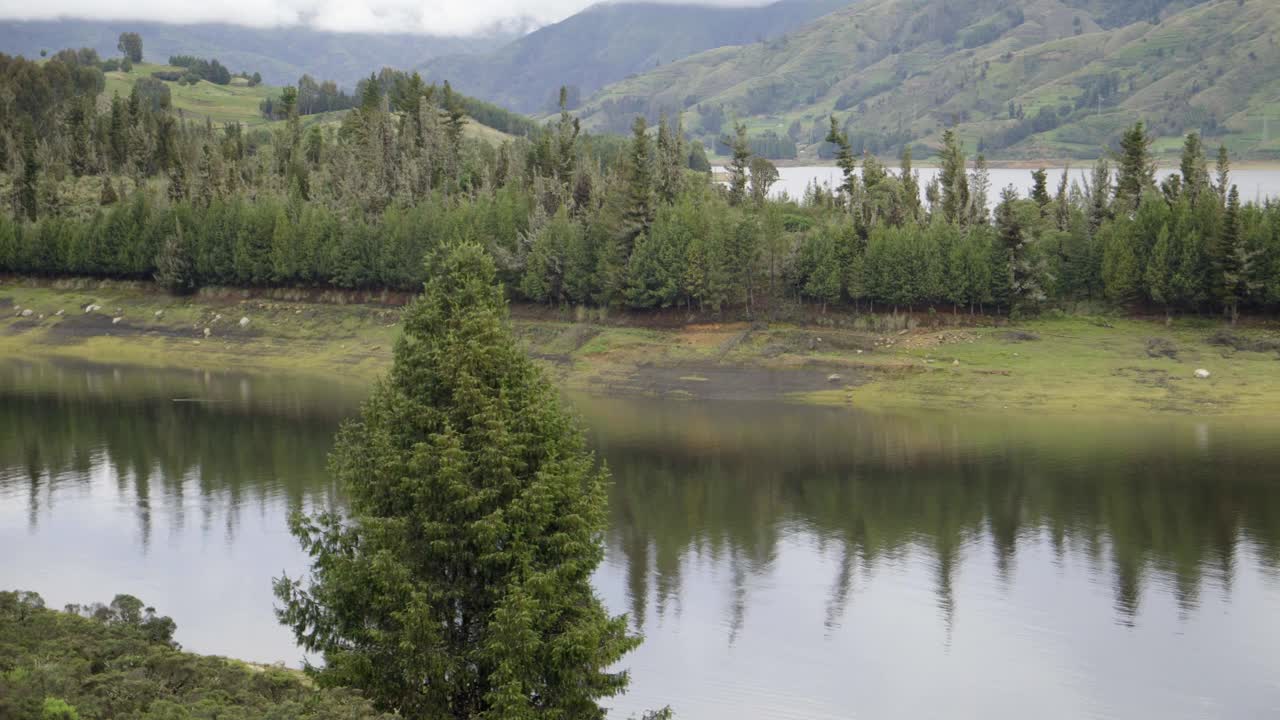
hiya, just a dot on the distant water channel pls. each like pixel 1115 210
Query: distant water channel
pixel 781 561
pixel 1254 184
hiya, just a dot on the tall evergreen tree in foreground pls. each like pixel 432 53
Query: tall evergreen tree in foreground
pixel 459 587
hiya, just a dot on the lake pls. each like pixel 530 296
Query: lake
pixel 782 561
pixel 1255 184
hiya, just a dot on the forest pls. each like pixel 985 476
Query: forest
pixel 126 188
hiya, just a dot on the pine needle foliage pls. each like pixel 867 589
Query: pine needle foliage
pixel 459 584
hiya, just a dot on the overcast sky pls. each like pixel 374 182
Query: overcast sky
pixel 424 16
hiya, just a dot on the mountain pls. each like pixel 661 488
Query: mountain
pixel 282 55
pixel 607 42
pixel 1018 78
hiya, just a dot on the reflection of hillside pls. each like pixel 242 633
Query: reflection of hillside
pixel 1165 504
pixel 161 453
pixel 1169 506
pixel 222 392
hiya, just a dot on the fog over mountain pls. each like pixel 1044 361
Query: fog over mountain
pixel 434 17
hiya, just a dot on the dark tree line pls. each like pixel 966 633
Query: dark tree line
pixel 598 220
pixel 198 68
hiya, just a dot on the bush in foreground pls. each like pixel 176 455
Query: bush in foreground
pixel 120 661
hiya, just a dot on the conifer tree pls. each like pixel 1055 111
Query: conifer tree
pixel 1040 188
pixel 845 160
pixel 910 186
pixel 1137 169
pixel 979 185
pixel 1121 271
pixel 671 159
pixel 29 183
pixel 1160 270
pixel 455 118
pixel 118 133
pixel 177 181
pixel 79 124
pixel 582 192
pixel 175 268
pixel 1234 260
pixel 1224 173
pixel 1099 194
pixel 742 259
pixel 1193 166
pixel 873 172
pixel 460 584
pixel 1187 282
pixel 210 177
pixel 1062 202
pixel 638 215
pixel 567 130
pixel 953 180
pixel 1016 224
pixel 738 167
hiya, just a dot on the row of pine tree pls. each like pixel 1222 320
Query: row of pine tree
pixel 571 218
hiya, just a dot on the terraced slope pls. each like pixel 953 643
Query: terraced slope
pixel 1019 78
pixel 607 42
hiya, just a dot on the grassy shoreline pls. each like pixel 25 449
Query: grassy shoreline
pixel 1072 365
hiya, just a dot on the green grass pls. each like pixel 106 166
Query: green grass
pixel 219 103
pixel 1081 365
pixel 348 343
pixel 238 102
pixel 1076 365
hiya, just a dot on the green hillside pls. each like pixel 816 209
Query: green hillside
pixel 238 102
pixel 282 55
pixel 608 42
pixel 1019 78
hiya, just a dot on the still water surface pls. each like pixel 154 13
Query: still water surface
pixel 1255 184
pixel 781 561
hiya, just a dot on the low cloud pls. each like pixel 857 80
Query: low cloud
pixel 441 17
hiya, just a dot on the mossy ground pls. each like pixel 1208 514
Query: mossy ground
pixel 1072 365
